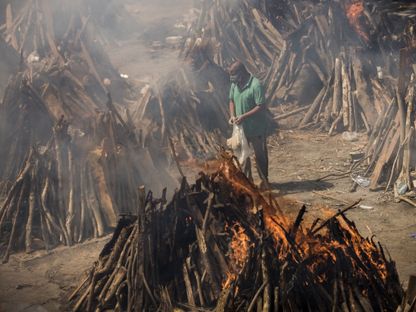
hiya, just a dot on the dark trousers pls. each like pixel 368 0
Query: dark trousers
pixel 259 145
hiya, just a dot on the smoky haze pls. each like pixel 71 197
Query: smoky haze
pixel 146 41
pixel 140 37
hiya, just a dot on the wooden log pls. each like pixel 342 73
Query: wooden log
pixel 267 289
pixel 118 279
pixel 51 216
pixel 9 27
pixel 402 115
pixel 31 213
pixel 256 296
pixel 70 211
pixel 274 79
pixel 351 113
pixel 407 150
pixel 381 129
pixel 335 124
pixel 16 220
pixel 364 119
pixel 199 288
pixel 202 245
pixel 313 108
pixel 294 112
pixel 363 92
pixel 50 36
pixel 83 228
pixel 119 272
pixel 188 285
pixel 46 237
pixel 386 153
pixel 93 204
pixel 337 97
pixel 346 96
pixel 269 30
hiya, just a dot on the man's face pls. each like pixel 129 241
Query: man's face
pixel 233 78
pixel 236 78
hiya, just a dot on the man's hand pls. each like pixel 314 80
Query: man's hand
pixel 231 121
pixel 238 120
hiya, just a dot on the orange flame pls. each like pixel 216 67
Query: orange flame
pixel 239 247
pixel 354 11
pixel 322 247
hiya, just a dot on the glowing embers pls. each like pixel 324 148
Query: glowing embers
pixel 223 245
pixel 239 252
pixel 354 13
pixel 239 245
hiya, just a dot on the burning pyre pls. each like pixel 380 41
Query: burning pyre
pixel 221 244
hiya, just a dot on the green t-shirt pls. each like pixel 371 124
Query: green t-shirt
pixel 246 99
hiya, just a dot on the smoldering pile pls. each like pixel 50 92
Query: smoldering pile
pixel 72 160
pixel 9 64
pixel 32 25
pixel 221 245
pixel 62 73
pixel 335 60
pixel 74 187
pixel 186 109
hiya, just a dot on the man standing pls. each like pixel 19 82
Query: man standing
pixel 248 108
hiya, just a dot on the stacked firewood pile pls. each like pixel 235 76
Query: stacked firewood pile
pixel 34 100
pixel 391 145
pixel 237 30
pixel 318 57
pixel 63 73
pixel 221 245
pixel 36 24
pixel 187 109
pixel 38 30
pixel 72 162
pixel 9 64
pixel 76 185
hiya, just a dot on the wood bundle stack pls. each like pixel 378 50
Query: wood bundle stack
pixel 221 245
pixel 337 66
pixel 70 76
pixel 351 100
pixel 63 32
pixel 391 145
pixel 68 182
pixel 9 64
pixel 236 29
pixel 24 121
pixel 40 25
pixel 76 186
pixel 33 102
pixel 326 60
pixel 187 109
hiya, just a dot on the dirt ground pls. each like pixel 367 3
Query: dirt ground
pixel 42 281
pixel 297 159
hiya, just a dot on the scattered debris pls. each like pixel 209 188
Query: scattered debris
pixel 366 207
pixel 21 286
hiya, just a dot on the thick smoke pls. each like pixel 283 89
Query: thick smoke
pixel 140 37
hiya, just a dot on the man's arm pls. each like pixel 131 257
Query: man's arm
pixel 231 106
pixel 251 112
pixel 232 109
